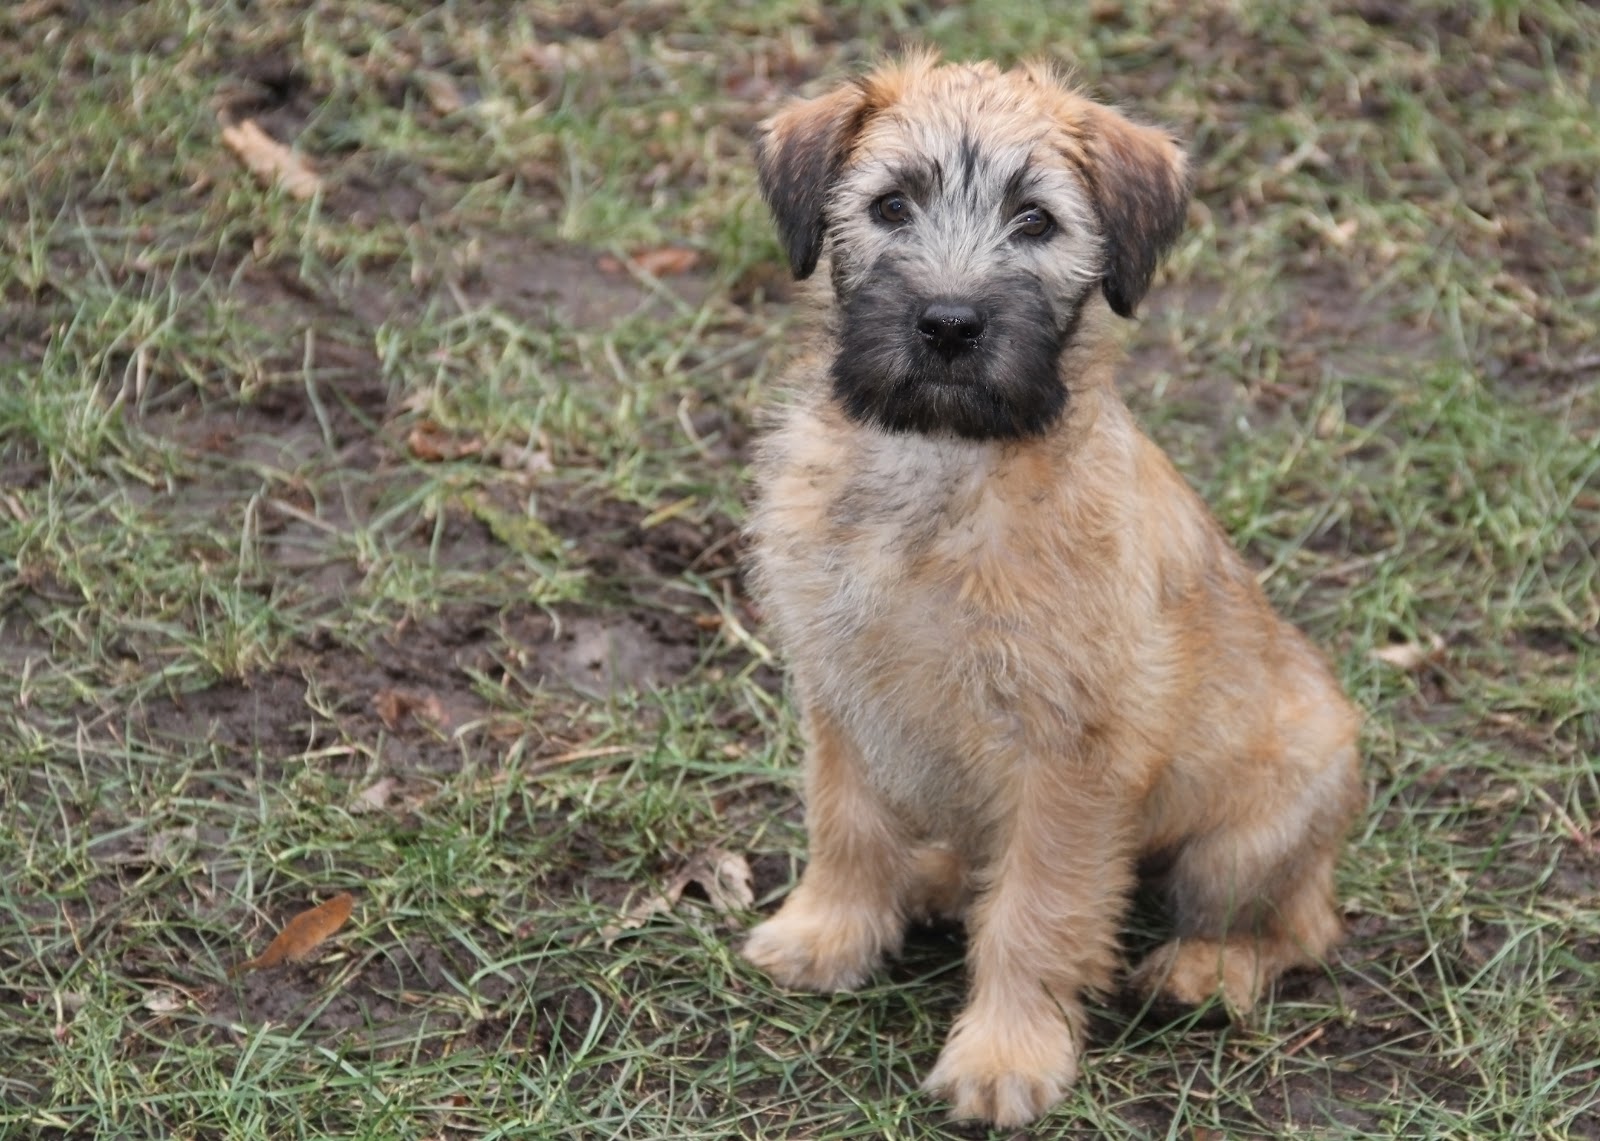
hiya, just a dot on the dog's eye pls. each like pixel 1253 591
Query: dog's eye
pixel 1034 222
pixel 893 209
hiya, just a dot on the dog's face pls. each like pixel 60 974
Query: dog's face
pixel 970 216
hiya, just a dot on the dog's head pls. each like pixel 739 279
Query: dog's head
pixel 970 215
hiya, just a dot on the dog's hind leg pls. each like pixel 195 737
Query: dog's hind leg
pixel 1255 897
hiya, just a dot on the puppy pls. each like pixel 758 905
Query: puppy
pixel 1026 657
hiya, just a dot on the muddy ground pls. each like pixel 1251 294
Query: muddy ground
pixel 508 674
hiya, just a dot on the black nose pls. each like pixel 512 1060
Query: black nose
pixel 950 327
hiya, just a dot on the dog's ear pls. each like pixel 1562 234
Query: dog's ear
pixel 1140 186
pixel 800 152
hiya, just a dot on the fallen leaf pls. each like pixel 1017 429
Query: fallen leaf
pixel 529 461
pixel 270 161
pixel 394 705
pixel 302 935
pixel 665 261
pixel 1410 656
pixel 432 444
pixel 164 1001
pixel 376 796
pixel 390 705
pixel 725 878
pixel 722 875
pixel 442 93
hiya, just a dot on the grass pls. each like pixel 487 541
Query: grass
pixel 385 542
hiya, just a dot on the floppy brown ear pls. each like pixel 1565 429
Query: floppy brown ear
pixel 800 152
pixel 1140 187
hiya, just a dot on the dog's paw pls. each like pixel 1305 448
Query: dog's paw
pixel 1003 1071
pixel 1192 972
pixel 817 949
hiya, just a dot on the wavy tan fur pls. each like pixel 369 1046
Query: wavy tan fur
pixel 1026 656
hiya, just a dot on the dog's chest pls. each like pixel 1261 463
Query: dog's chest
pixel 908 593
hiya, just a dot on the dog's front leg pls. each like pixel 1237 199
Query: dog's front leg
pixel 1043 928
pixel 849 909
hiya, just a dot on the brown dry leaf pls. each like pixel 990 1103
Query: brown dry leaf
pixel 432 709
pixel 666 261
pixel 722 875
pixel 395 705
pixel 1411 656
pixel 302 935
pixel 390 705
pixel 442 93
pixel 376 796
pixel 529 461
pixel 270 161
pixel 432 444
